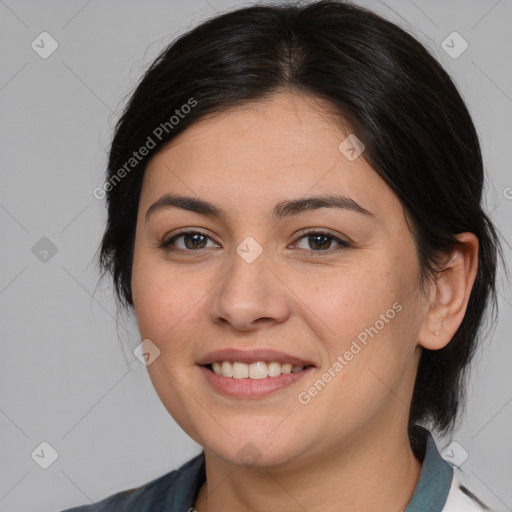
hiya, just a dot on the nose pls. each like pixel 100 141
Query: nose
pixel 250 295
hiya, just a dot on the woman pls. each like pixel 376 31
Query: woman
pixel 294 217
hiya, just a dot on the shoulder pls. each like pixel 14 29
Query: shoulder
pixel 461 499
pixel 154 495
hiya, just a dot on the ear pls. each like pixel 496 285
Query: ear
pixel 449 294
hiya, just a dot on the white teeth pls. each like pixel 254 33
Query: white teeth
pixel 240 370
pixel 227 369
pixel 286 368
pixel 274 369
pixel 257 370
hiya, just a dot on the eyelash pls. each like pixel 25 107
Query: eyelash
pixel 166 243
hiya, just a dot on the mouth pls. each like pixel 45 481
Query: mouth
pixel 251 374
pixel 255 370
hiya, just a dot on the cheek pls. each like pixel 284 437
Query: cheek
pixel 164 300
pixel 365 317
pixel 347 299
pixel 166 306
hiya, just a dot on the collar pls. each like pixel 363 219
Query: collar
pixel 436 475
pixel 430 494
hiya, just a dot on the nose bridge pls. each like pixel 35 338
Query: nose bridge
pixel 249 290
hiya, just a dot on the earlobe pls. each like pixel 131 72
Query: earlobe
pixel 449 294
pixel 433 334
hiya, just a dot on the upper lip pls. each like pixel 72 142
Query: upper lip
pixel 252 356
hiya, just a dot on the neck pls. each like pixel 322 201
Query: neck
pixel 373 470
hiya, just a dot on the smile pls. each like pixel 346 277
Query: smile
pixel 256 370
pixel 251 381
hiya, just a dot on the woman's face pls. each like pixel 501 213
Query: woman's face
pixel 345 300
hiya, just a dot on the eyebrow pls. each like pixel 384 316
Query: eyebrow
pixel 281 210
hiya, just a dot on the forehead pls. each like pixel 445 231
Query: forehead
pixel 287 146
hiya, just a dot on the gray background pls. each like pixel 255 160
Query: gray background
pixel 65 377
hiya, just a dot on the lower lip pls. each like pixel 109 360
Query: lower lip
pixel 251 388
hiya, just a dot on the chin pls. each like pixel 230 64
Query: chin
pixel 249 450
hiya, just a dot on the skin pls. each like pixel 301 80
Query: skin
pixel 347 449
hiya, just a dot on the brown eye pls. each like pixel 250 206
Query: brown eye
pixel 190 241
pixel 194 241
pixel 319 241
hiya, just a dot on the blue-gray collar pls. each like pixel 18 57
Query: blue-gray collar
pixel 436 476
